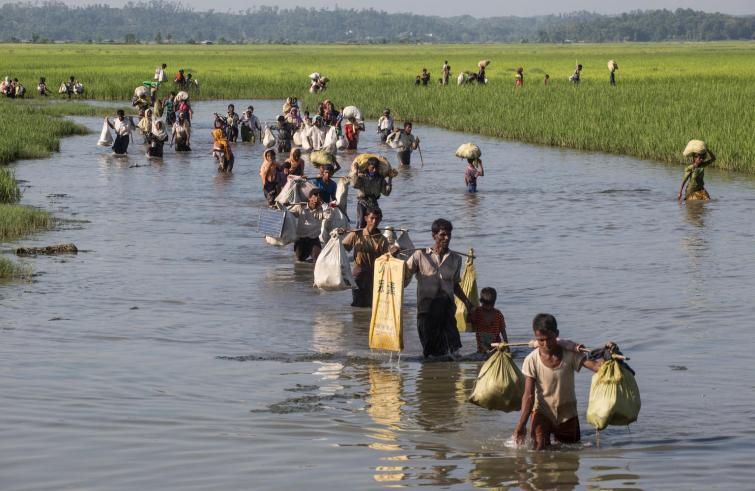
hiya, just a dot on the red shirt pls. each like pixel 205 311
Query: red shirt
pixel 487 330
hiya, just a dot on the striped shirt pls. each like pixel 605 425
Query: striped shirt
pixel 488 327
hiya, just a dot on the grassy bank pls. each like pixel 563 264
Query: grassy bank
pixel 18 221
pixel 12 270
pixel 666 93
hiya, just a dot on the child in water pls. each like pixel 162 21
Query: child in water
pixel 471 173
pixel 549 397
pixel 694 175
pixel 488 322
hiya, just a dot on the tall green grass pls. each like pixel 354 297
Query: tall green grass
pixel 9 190
pixel 17 221
pixel 11 270
pixel 667 93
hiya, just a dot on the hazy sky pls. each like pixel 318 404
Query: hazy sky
pixel 478 8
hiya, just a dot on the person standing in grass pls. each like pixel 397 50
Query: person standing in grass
pixel 123 126
pixel 576 75
pixel 446 73
pixel 519 77
pixel 471 173
pixel 546 79
pixel 405 142
pixel 694 178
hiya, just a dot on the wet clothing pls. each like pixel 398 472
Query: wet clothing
pixel 488 328
pixel 156 143
pixel 436 309
pixel 437 327
pixel 351 132
pixel 327 190
pixel 470 177
pixel 122 133
pixel 542 428
pixel 304 246
pixel 696 182
pixel 232 126
pixel 250 127
pixel 405 144
pixel 554 387
pixel 309 223
pixel 385 127
pixel 181 132
pixel 367 248
pixel 369 188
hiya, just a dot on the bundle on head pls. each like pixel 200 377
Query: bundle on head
pixel 612 65
pixel 321 157
pixel 695 147
pixel 382 164
pixel 468 151
pixel 483 63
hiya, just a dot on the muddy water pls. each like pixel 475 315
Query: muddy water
pixel 181 352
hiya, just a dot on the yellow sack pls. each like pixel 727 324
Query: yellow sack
pixel 695 146
pixel 386 330
pixel 469 286
pixel 614 396
pixel 500 384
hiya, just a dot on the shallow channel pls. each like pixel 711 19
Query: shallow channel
pixel 179 351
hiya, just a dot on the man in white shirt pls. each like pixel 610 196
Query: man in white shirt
pixel 160 76
pixel 123 127
pixel 385 125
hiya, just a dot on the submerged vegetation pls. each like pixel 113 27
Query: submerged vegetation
pixel 12 270
pixel 18 221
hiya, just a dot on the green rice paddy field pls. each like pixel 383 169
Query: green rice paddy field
pixel 667 94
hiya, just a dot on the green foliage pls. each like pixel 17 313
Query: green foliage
pixel 18 221
pixel 9 191
pixel 11 270
pixel 667 94
pixel 139 21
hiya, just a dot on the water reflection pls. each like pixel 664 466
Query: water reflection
pixel 695 244
pixel 384 404
pixel 439 388
pixel 533 471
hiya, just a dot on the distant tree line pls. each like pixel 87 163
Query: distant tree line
pixel 157 21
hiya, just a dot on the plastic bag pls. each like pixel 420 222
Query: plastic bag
pixel 182 96
pixel 342 143
pixel 386 328
pixel 295 191
pixel 469 286
pixel 306 146
pixel 314 76
pixel 500 384
pixel 334 219
pixel 297 138
pixel 106 139
pixel 342 194
pixel 288 234
pixel 614 396
pixel 268 140
pixel 332 270
pixel 331 141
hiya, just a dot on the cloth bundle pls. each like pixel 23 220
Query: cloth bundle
pixel 500 384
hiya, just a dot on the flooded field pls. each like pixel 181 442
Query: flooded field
pixel 178 351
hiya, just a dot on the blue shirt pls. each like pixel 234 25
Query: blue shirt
pixel 328 191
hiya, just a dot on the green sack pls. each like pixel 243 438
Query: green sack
pixel 614 396
pixel 500 384
pixel 321 157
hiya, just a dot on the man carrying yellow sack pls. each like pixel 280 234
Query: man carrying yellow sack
pixel 438 272
pixel 549 397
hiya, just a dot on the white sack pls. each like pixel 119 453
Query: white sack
pixel 106 139
pixel 342 143
pixel 141 91
pixel 306 146
pixel 295 191
pixel 342 193
pixel 331 140
pixel 352 112
pixel 268 140
pixel 334 219
pixel 332 270
pixel 314 76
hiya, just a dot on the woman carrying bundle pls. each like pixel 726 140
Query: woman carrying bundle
pixel 351 131
pixel 694 175
pixel 156 139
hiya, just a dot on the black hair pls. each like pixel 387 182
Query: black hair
pixel 281 118
pixel 488 296
pixel 374 211
pixel 408 123
pixel 328 168
pixel 441 224
pixel 231 106
pixel 286 165
pixel 315 192
pixel 545 323
pixel 165 65
pixel 269 150
pixel 120 112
